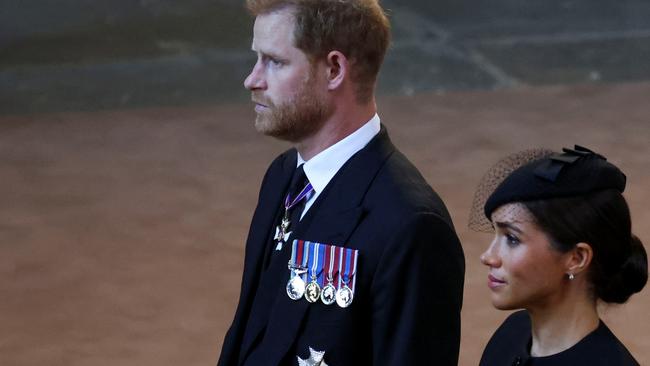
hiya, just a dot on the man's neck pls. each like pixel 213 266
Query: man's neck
pixel 341 124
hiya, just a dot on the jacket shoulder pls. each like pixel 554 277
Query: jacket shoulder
pixel 400 187
pixel 602 347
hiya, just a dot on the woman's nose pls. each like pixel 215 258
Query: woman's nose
pixel 489 257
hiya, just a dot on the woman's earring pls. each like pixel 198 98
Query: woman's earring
pixel 571 276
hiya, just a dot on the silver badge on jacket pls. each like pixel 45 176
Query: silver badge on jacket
pixel 316 358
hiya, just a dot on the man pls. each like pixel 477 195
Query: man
pixel 351 258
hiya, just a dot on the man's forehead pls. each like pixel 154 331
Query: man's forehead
pixel 282 19
pixel 272 30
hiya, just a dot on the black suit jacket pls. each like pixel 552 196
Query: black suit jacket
pixel 408 296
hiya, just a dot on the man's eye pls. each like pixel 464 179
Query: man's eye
pixel 274 62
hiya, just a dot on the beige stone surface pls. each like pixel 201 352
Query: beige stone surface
pixel 122 232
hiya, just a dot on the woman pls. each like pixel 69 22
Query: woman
pixel 562 243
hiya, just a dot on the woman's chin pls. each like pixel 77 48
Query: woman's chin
pixel 504 305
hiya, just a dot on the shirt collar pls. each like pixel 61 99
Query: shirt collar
pixel 321 168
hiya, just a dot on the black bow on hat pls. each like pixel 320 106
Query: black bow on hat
pixel 552 167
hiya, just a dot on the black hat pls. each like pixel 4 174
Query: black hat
pixel 574 172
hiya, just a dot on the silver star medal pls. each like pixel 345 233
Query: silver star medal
pixel 315 358
pixel 281 234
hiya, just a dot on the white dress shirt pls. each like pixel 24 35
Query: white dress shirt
pixel 323 167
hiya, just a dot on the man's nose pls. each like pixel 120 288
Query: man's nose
pixel 255 80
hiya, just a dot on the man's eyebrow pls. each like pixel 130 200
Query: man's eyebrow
pixel 273 55
pixel 263 53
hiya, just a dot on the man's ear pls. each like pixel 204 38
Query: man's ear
pixel 338 69
pixel 579 258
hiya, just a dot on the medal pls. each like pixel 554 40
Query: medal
pixel 297 265
pixel 347 269
pixel 344 296
pixel 281 233
pixel 316 358
pixel 296 287
pixel 328 294
pixel 312 293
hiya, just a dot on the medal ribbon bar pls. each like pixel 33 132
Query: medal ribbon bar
pixel 325 264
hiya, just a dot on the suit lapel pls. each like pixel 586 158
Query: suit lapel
pixel 271 196
pixel 332 219
pixel 257 246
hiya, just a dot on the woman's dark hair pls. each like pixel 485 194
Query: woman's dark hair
pixel 619 266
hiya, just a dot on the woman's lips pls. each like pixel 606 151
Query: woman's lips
pixel 494 282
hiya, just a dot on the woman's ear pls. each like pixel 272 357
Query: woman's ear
pixel 579 259
pixel 337 69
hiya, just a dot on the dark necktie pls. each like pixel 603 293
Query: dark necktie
pixel 299 182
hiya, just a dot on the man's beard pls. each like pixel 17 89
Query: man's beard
pixel 293 121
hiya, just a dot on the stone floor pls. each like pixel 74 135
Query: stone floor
pixel 122 231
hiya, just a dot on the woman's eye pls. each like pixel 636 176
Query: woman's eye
pixel 512 240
